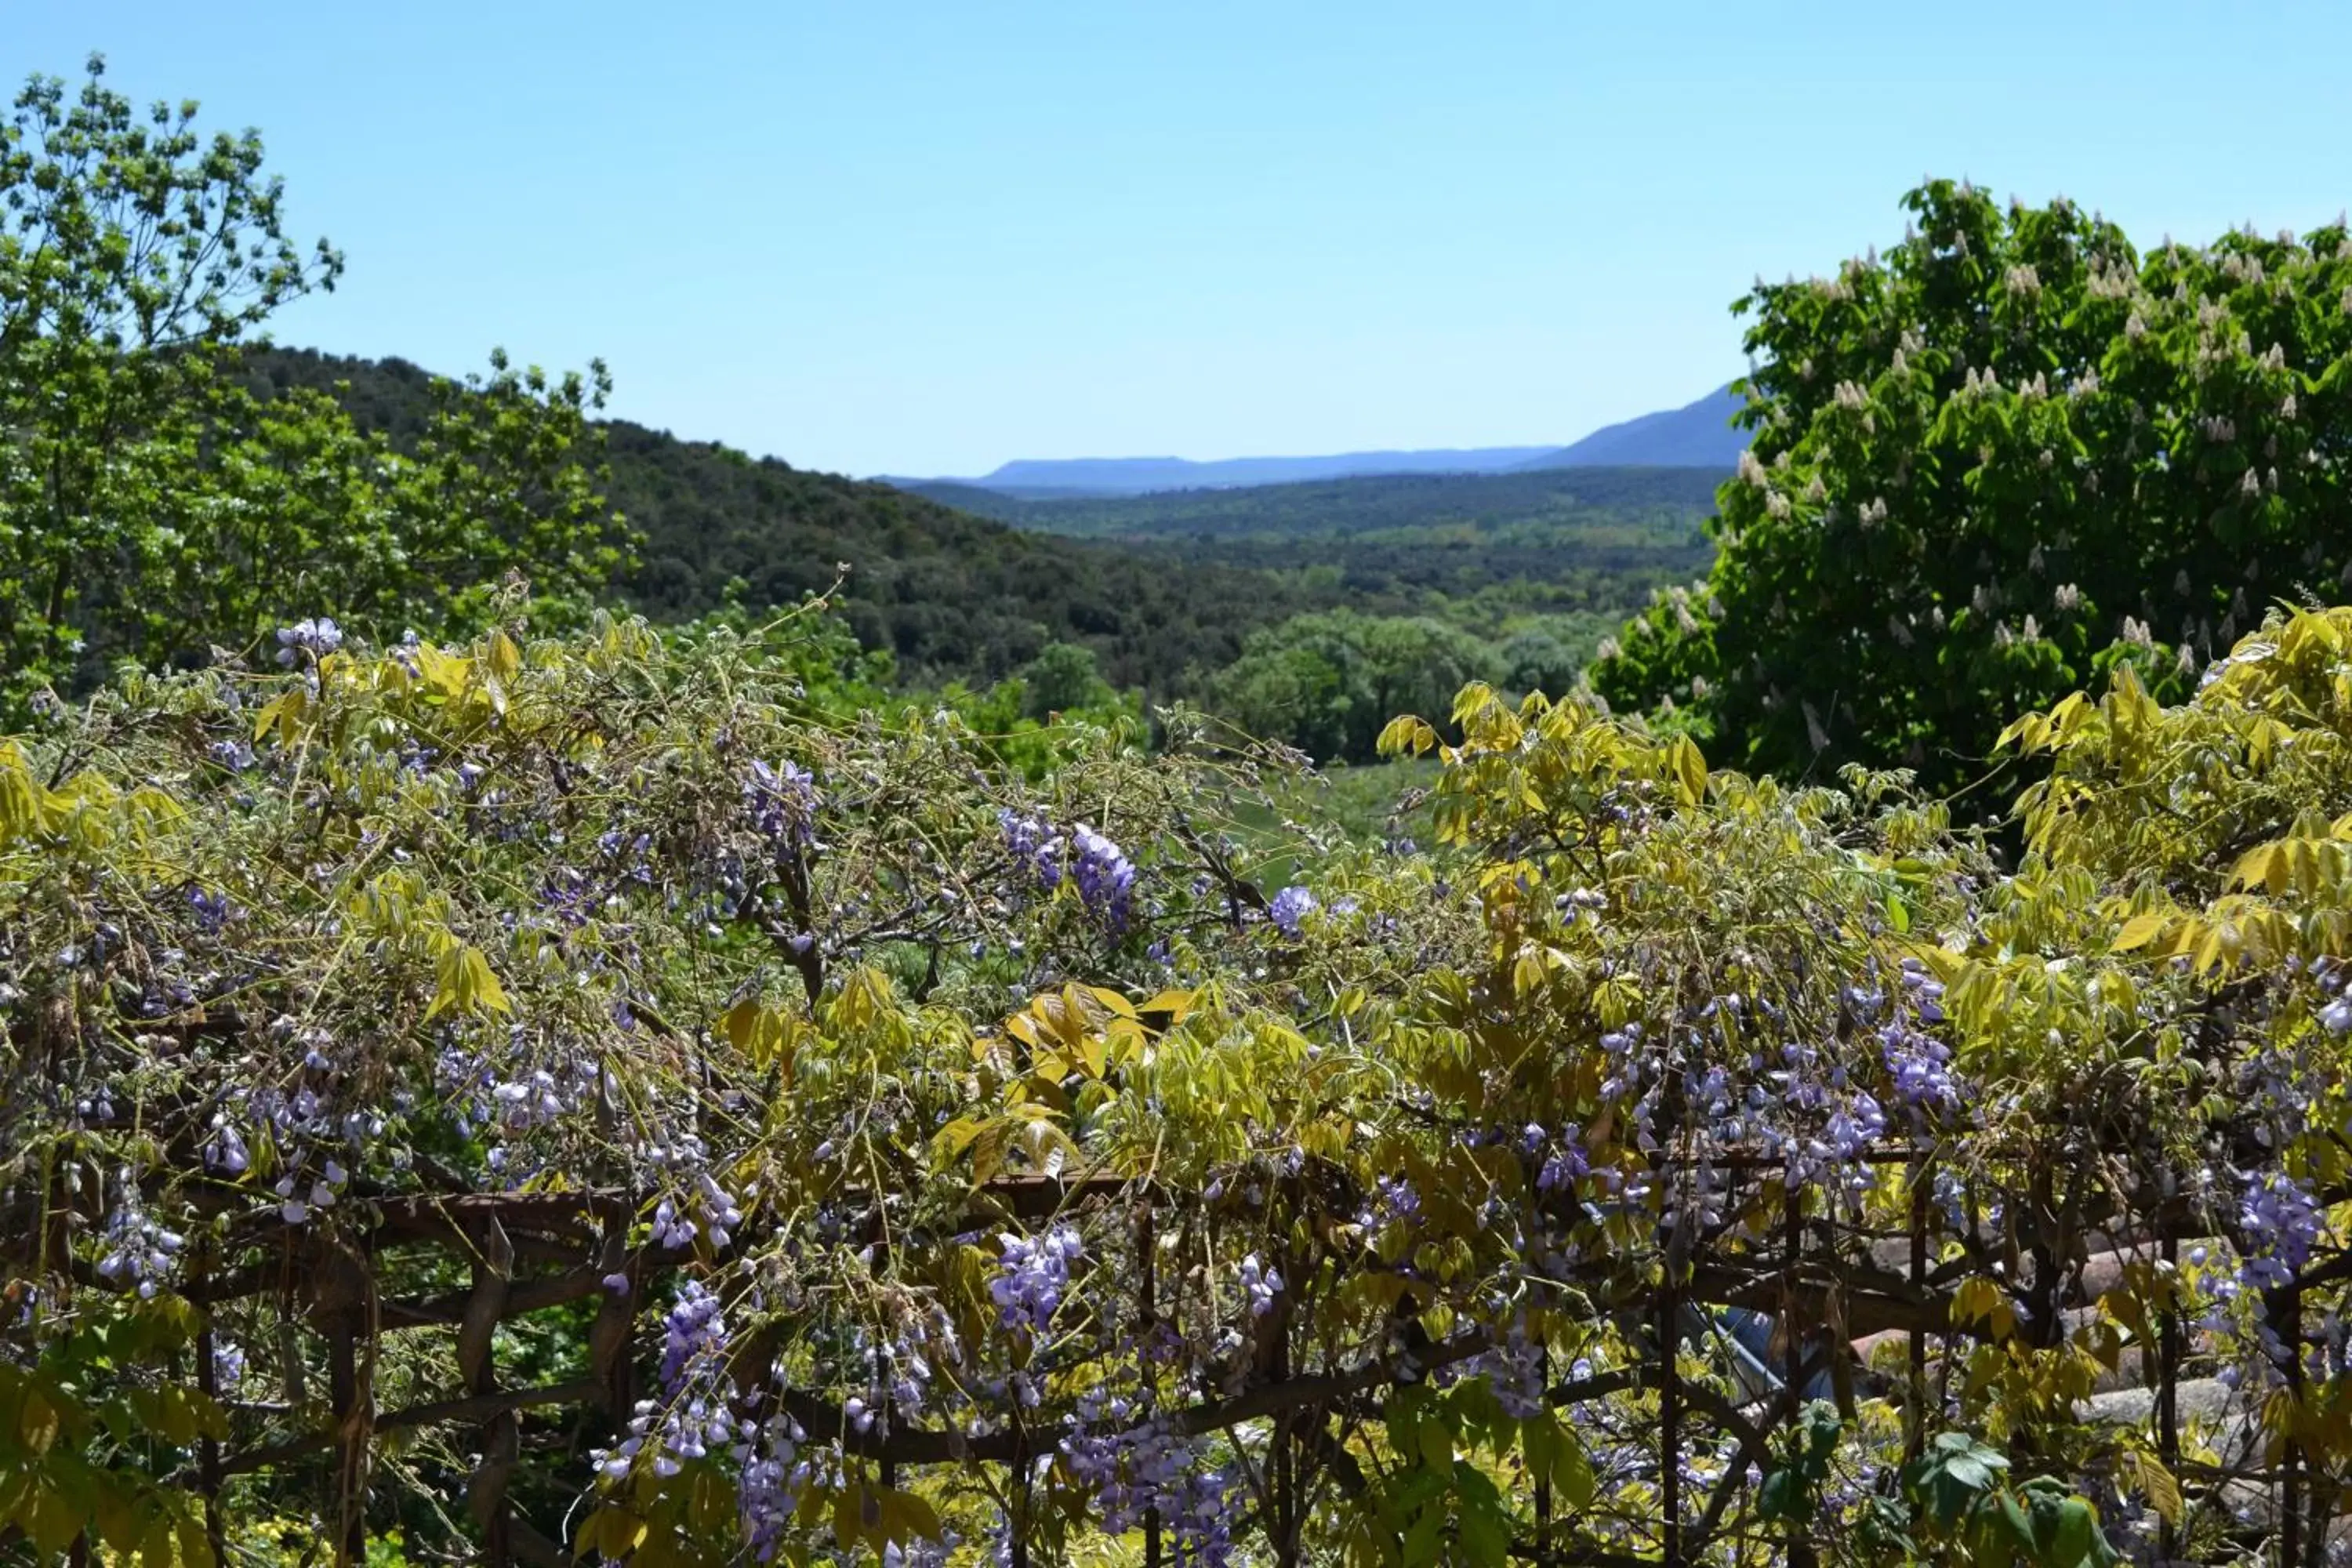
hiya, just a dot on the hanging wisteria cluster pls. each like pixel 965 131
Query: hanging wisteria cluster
pixel 1096 867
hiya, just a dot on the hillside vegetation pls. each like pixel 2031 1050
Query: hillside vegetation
pixel 949 594
pixel 1299 610
pixel 1500 559
pixel 1648 506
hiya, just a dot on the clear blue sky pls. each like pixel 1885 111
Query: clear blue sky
pixel 888 237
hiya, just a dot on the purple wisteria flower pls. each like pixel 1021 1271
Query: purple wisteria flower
pixel 1032 1276
pixel 694 1329
pixel 783 802
pixel 1101 871
pixel 2281 1221
pixel 139 1252
pixel 775 1474
pixel 1289 906
pixel 1135 1465
pixel 1105 876
pixel 1260 1285
pixel 1034 844
pixel 1564 1165
pixel 692 1418
pixel 308 641
pixel 1394 1201
pixel 226 1150
pixel 1513 1368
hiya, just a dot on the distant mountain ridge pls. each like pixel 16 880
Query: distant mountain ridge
pixel 1696 436
pixel 1136 476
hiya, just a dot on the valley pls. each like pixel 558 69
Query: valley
pixel 1295 608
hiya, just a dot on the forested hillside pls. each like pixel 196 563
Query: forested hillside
pixel 950 594
pixel 1224 596
pixel 1654 505
pixel 1499 558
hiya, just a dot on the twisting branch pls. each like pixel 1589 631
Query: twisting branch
pixel 440 1411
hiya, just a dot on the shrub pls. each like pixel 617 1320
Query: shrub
pixel 822 1140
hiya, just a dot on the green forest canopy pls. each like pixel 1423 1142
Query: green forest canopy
pixel 947 593
pixel 1522 574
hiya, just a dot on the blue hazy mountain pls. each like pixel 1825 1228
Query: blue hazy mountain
pixel 1135 476
pixel 1696 436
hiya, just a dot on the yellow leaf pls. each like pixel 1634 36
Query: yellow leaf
pixel 1982 1298
pixel 50 1520
pixel 37 1421
pixel 2281 1412
pixel 168 1417
pixel 444 673
pixel 2028 733
pixel 906 1516
pixel 1690 770
pixel 2138 932
pixel 196 1550
pixel 865 999
pixel 112 1517
pixel 506 659
pixel 1527 973
pixel 284 711
pixel 1175 1004
pixel 1113 1000
pixel 2163 1491
pixel 27 806
pixel 741 1023
pixel 466 984
pixel 617 1531
pixel 2255 867
pixel 988 1154
pixel 1062 1016
pixel 956 1137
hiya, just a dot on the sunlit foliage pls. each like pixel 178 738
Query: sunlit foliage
pixel 1988 465
pixel 150 507
pixel 594 1090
